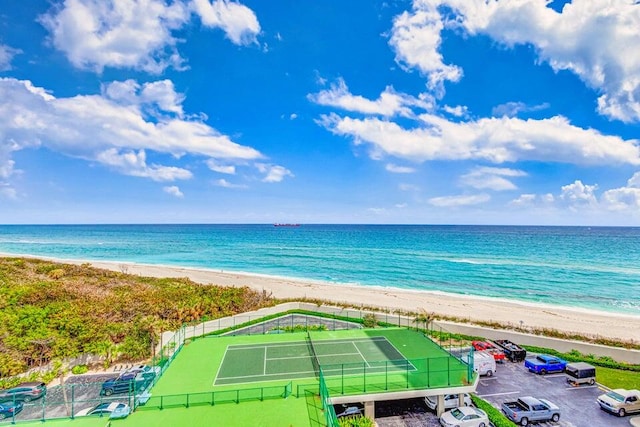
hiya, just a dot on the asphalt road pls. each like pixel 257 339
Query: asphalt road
pixel 577 404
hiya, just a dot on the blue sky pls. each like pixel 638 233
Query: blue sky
pixel 210 111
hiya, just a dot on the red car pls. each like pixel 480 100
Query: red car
pixel 498 355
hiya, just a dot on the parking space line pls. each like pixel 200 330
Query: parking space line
pixel 581 388
pixel 498 394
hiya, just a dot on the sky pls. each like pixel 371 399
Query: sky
pixel 297 111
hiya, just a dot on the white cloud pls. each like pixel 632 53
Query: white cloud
pixel 390 102
pixel 401 205
pixel 138 34
pixel 462 200
pixel 622 199
pixel 408 187
pixel 491 178
pixel 112 131
pixel 216 167
pixel 578 194
pixel 595 39
pixel 135 164
pixel 273 173
pixel 95 34
pixel 293 116
pixel 6 56
pixel 239 23
pixel 634 181
pixel 512 109
pixel 530 200
pixel 416 40
pixel 496 140
pixel 226 184
pixel 457 111
pixel 8 192
pixel 174 190
pixel 390 167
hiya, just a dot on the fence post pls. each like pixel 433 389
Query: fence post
pixel 213 398
pixel 73 399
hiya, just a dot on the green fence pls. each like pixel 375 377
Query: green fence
pixel 395 375
pixel 329 412
pixel 212 398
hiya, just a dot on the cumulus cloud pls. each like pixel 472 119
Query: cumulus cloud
pixel 138 34
pixel 594 39
pixel 457 111
pixel 112 129
pixel 457 201
pixel 579 194
pixel 529 200
pixel 217 167
pixel 390 167
pixel 496 140
pixel 390 102
pixel 512 109
pixel 239 23
pixel 174 190
pixel 416 40
pixel 491 178
pixel 226 184
pixel 6 56
pixel 624 198
pixel 273 173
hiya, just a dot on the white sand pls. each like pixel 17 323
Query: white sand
pixel 584 322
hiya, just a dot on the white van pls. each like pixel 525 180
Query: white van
pixel 484 363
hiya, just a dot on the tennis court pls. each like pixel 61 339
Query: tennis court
pixel 250 363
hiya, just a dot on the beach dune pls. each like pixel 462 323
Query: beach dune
pixel 526 315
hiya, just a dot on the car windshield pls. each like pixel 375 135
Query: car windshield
pixel 457 413
pixel 616 396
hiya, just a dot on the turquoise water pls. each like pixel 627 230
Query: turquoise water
pixel 585 267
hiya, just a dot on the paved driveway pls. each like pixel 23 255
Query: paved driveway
pixel 577 404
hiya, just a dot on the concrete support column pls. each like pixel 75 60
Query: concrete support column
pixel 440 407
pixel 460 399
pixel 370 409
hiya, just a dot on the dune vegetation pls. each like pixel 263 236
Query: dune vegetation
pixel 52 311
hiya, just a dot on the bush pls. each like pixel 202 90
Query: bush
pixel 495 416
pixel 356 421
pixel 369 320
pixel 79 369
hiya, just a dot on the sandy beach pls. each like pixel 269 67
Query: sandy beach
pixel 585 322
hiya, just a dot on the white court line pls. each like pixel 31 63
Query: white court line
pixel 307 357
pixel 400 353
pixel 498 394
pixel 363 358
pixel 270 375
pixel 220 366
pixel 250 347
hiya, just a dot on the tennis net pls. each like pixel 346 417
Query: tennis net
pixel 314 355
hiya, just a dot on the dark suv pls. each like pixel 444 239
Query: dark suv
pixel 24 392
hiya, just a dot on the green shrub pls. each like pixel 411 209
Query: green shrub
pixel 369 320
pixel 355 421
pixel 79 369
pixel 495 416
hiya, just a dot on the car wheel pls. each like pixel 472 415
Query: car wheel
pixel 555 418
pixel 489 373
pixel 482 425
pixel 524 421
pixel 108 392
pixel 622 412
pixel 543 372
pixel 592 381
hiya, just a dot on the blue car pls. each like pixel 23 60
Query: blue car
pixel 544 363
pixel 10 409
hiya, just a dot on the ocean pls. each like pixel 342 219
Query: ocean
pixel 595 268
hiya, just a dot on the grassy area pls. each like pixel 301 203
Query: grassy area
pixel 616 378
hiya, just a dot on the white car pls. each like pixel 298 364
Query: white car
pixel 464 416
pixel 112 410
pixel 450 401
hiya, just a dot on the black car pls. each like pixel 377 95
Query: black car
pixel 10 409
pixel 24 392
pixel 122 384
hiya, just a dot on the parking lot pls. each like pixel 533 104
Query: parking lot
pixel 577 404
pixel 83 390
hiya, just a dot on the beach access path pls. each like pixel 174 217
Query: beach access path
pixel 521 314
